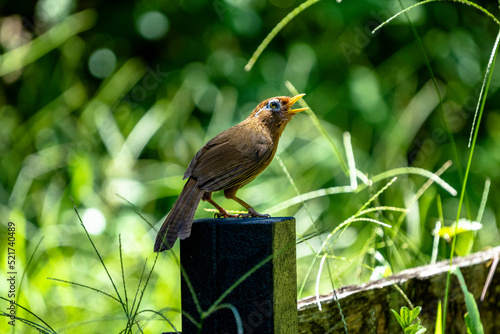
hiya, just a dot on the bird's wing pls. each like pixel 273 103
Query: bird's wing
pixel 225 161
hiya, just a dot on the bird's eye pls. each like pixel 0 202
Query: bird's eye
pixel 274 104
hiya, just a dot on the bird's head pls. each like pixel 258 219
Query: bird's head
pixel 277 111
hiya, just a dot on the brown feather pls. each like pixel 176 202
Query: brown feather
pixel 179 220
pixel 229 161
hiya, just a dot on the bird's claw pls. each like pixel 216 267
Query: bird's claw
pixel 224 215
pixel 253 214
pixel 249 214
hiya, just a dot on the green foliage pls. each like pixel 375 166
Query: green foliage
pixel 439 320
pixel 406 318
pixel 472 317
pixel 116 129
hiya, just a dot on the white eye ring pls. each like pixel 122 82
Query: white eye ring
pixel 273 104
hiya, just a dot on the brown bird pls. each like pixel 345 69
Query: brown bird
pixel 229 161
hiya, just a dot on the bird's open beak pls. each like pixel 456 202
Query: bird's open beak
pixel 292 102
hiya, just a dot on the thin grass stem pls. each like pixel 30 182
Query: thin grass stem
pixel 136 312
pixel 316 229
pixel 320 127
pixel 276 30
pixel 33 314
pixel 351 163
pixel 162 316
pixel 237 317
pixel 309 270
pixel 134 208
pixel 123 272
pixel 484 199
pixel 84 286
pixel 294 186
pixel 131 317
pixel 481 102
pixel 190 287
pixel 416 171
pixel 26 269
pixel 244 277
pixel 427 1
pixel 451 138
pixel 318 277
pixel 98 255
pixel 419 193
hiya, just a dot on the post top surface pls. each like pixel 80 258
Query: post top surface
pixel 242 221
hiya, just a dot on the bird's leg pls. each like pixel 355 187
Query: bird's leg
pixel 222 212
pixel 231 194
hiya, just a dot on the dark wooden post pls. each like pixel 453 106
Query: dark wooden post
pixel 219 252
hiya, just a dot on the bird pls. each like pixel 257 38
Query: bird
pixel 229 161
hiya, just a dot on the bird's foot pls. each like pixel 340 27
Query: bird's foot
pixel 253 213
pixel 224 214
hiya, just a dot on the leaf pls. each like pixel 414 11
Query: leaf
pixel 415 329
pixel 421 330
pixel 468 323
pixel 398 318
pixel 439 320
pixel 472 317
pixel 405 314
pixel 412 329
pixel 414 313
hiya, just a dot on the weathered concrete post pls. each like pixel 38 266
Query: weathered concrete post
pixel 220 252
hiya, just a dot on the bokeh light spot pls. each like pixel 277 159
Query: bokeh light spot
pixel 51 11
pixel 94 221
pixel 152 25
pixel 102 63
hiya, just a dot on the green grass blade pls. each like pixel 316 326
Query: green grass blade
pixel 351 163
pixel 416 171
pixel 361 211
pixel 299 196
pixel 355 219
pixel 482 101
pixel 26 269
pixel 308 196
pixel 99 256
pixel 451 138
pixel 33 314
pixel 123 273
pixel 484 92
pixel 244 277
pixel 374 197
pixel 134 208
pixel 484 199
pixel 419 194
pixel 318 276
pixel 39 328
pixel 304 282
pixel 320 127
pixel 161 316
pixel 84 286
pixel 439 320
pixel 294 186
pixel 435 243
pixel 137 291
pixel 191 289
pixel 427 1
pixel 474 318
pixel 136 312
pixel 276 30
pixel 237 317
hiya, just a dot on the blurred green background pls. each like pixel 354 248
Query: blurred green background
pixel 103 102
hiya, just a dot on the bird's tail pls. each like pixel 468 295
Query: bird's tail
pixel 179 220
